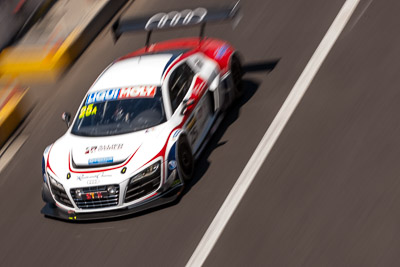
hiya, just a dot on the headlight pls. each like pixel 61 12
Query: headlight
pixel 55 183
pixel 146 172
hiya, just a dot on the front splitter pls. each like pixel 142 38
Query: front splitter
pixel 158 200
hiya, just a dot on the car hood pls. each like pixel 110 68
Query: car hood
pixel 80 154
pixel 94 153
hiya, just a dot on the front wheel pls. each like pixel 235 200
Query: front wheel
pixel 185 159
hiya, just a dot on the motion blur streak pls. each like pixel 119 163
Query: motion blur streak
pixel 246 177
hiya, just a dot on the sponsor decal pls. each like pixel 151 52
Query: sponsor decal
pixel 198 87
pixel 90 149
pixel 176 182
pixel 121 93
pixel 138 91
pixel 123 171
pixel 93 176
pixel 176 133
pixel 196 124
pixel 171 157
pixel 172 165
pixel 221 51
pixel 93 195
pixel 100 160
pixel 46 149
pixel 191 123
pixel 92 182
pixel 101 96
pixel 93 149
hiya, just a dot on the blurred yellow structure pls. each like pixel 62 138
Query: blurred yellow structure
pixel 45 51
pixel 54 42
pixel 37 64
pixel 14 107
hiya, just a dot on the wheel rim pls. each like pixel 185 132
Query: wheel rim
pixel 185 160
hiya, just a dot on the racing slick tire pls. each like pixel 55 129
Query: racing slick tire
pixel 185 159
pixel 237 74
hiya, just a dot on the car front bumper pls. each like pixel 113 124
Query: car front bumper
pixel 159 199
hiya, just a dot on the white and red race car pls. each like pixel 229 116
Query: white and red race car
pixel 134 139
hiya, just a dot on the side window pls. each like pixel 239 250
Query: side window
pixel 179 84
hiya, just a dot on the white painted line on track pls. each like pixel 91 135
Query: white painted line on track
pixel 10 151
pixel 355 20
pixel 267 142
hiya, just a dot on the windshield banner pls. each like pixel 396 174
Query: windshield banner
pixel 121 93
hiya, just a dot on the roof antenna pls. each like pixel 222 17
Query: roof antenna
pixel 148 40
pixel 201 35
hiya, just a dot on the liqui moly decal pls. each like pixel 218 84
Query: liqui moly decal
pixel 121 93
pixel 101 96
pixel 137 91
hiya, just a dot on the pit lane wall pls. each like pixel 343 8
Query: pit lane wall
pixel 45 51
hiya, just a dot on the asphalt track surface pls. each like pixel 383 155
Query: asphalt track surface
pixel 328 193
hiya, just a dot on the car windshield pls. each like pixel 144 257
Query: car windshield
pixel 119 111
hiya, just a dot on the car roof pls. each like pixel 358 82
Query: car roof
pixel 140 70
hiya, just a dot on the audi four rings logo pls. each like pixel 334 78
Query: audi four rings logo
pixel 173 18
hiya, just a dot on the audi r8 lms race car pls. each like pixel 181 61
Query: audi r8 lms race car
pixel 134 139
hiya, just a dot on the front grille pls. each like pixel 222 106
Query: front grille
pixel 59 193
pixel 95 197
pixel 142 187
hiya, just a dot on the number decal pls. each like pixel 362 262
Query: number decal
pixel 174 18
pixel 196 126
pixel 87 111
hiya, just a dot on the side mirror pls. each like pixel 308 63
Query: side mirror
pixel 214 84
pixel 66 116
pixel 187 105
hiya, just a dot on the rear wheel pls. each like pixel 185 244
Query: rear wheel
pixel 237 73
pixel 185 159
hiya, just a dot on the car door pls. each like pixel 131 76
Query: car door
pixel 187 92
